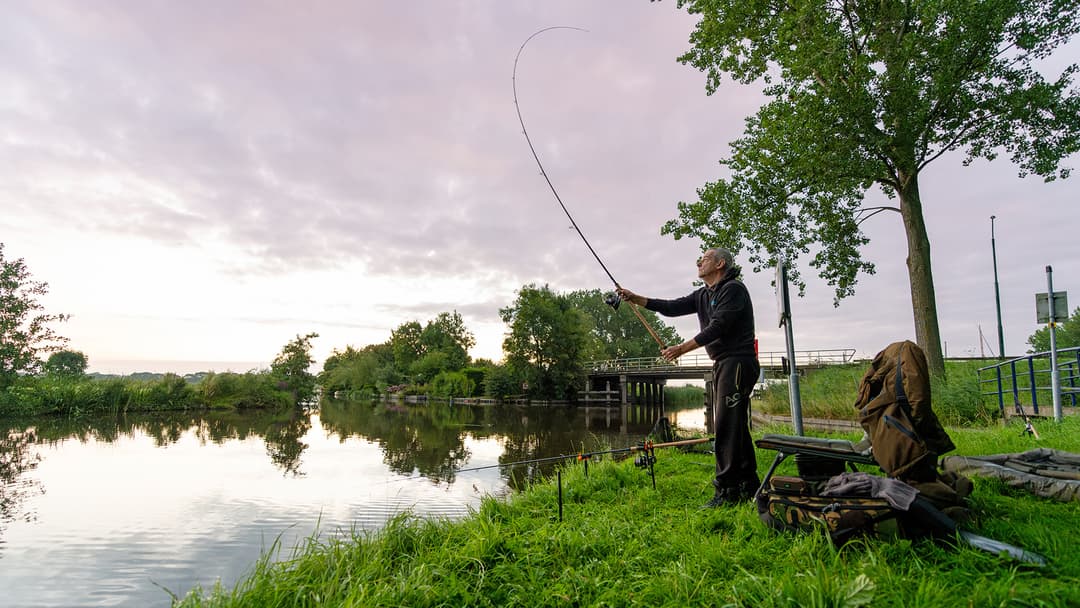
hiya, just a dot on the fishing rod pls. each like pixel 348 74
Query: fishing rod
pixel 646 446
pixel 612 300
pixel 647 459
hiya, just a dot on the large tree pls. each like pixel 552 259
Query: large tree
pixel 290 367
pixel 66 363
pixel 446 333
pixel 865 94
pixel 547 341
pixel 618 334
pixel 24 329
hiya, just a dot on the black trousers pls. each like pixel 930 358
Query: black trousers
pixel 733 381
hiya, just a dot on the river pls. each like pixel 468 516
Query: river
pixel 129 511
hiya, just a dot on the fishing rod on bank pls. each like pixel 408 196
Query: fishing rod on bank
pixel 613 299
pixel 646 459
pixel 645 447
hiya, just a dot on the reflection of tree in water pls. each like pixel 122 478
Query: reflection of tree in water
pixel 283 443
pixel 429 439
pixel 16 458
pixel 280 429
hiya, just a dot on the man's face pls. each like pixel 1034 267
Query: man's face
pixel 707 264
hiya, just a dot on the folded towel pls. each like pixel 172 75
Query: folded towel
pixel 898 494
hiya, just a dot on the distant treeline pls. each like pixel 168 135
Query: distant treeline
pixel 64 388
pixel 549 338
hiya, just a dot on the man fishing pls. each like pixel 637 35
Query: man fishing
pixel 726 316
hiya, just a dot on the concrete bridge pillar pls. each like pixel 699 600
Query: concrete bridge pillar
pixel 710 421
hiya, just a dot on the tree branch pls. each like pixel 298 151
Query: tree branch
pixel 876 210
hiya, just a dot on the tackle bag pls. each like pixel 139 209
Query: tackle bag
pixel 792 504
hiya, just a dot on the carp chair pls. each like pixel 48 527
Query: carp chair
pixel 816 458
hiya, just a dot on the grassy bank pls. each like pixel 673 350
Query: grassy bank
pixel 830 392
pixel 621 543
pixel 85 395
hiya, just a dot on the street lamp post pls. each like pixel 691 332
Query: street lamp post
pixel 997 291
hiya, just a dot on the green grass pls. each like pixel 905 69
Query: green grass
pixel 621 543
pixel 830 392
pixel 86 395
pixel 684 397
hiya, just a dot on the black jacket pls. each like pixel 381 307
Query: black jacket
pixel 724 311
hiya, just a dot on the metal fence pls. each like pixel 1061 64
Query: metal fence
pixel 803 358
pixel 1025 381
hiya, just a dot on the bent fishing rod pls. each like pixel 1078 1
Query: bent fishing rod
pixel 614 299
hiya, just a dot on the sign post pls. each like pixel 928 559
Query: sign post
pixel 783 302
pixel 1053 302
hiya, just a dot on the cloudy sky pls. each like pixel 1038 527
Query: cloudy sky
pixel 202 181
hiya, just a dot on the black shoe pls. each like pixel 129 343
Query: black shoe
pixel 716 502
pixel 748 490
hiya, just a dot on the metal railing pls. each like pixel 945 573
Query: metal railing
pixel 803 358
pixel 1025 381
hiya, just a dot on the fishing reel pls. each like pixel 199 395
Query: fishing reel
pixel 613 300
pixel 645 460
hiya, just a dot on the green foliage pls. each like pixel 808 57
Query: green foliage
pixel 447 334
pixel 237 391
pixel 415 353
pixel 618 334
pixel 428 366
pixel 66 363
pixel 865 94
pixel 476 375
pixel 547 342
pixel 405 342
pixel 442 345
pixel 501 382
pixel 24 329
pixel 452 384
pixel 368 370
pixel 78 396
pixel 290 368
pixel 1067 335
pixel 683 397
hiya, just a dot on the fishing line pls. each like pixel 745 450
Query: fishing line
pixel 517 106
pixel 532 149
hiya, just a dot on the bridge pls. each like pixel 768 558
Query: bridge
pixel 641 380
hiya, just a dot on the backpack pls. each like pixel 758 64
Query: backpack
pixel 894 411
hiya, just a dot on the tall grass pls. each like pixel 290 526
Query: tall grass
pixel 621 543
pixel 830 392
pixel 684 397
pixel 67 396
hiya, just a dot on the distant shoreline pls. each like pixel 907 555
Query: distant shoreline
pixel 126 367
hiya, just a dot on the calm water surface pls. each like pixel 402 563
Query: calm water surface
pixel 125 511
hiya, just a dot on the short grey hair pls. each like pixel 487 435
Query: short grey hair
pixel 720 254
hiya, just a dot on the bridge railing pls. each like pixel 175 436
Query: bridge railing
pixel 1027 380
pixel 803 358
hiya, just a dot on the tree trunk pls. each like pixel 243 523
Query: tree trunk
pixel 923 302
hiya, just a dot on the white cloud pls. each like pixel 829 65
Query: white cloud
pixel 204 181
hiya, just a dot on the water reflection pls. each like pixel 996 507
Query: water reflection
pixel 114 510
pixel 17 457
pixel 430 440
